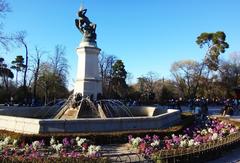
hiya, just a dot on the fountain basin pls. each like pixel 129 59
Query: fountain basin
pixel 88 125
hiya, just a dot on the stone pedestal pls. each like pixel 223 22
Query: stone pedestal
pixel 88 81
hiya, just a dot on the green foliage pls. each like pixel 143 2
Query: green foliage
pixel 119 71
pixel 5 73
pixel 4 70
pixel 118 81
pixel 166 94
pixel 18 65
pixel 216 45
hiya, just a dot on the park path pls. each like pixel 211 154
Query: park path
pixel 232 156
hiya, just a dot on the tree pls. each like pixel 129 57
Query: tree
pixel 167 92
pixel 59 62
pixel 36 67
pixel 45 81
pixel 50 85
pixel 216 45
pixel 147 86
pixel 59 68
pixel 5 73
pixel 188 76
pixel 4 39
pixel 118 81
pixel 4 7
pixel 18 65
pixel 230 73
pixel 20 38
pixel 106 70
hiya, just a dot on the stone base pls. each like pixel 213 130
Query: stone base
pixel 88 80
pixel 88 44
pixel 88 125
pixel 88 87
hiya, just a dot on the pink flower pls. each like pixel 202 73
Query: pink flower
pixel 155 137
pixel 142 147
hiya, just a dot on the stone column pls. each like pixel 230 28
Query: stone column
pixel 88 80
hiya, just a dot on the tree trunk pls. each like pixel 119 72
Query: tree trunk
pixel 45 94
pixel 26 64
pixel 35 79
pixel 16 78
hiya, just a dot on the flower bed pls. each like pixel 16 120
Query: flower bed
pixel 67 148
pixel 213 133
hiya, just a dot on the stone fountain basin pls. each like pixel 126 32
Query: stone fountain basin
pixel 156 119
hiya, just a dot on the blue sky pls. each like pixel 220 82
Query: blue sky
pixel 148 35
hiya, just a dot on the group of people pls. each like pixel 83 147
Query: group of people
pixel 199 106
pixel 229 107
pixel 25 102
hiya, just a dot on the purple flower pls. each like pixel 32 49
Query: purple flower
pixel 66 142
pixel 147 138
pixel 213 129
pixel 129 138
pixel 72 141
pixel 148 151
pixel 42 143
pixel 155 137
pixel 176 139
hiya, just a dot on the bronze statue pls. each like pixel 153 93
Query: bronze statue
pixel 85 26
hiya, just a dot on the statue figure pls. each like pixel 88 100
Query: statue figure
pixel 85 26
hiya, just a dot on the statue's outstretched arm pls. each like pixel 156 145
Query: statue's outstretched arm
pixel 84 11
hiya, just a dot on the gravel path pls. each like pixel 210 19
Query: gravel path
pixel 230 156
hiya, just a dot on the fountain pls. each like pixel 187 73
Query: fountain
pixel 81 114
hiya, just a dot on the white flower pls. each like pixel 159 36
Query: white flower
pixel 204 132
pixel 35 145
pixel 26 147
pixel 196 143
pixel 92 149
pixel 2 145
pixel 223 131
pixel 155 143
pixel 136 141
pixel 57 147
pixel 52 141
pixel 214 136
pixel 81 141
pixel 7 140
pixel 15 142
pixel 98 148
pixel 190 142
pixel 184 136
pixel 210 130
pixel 183 143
